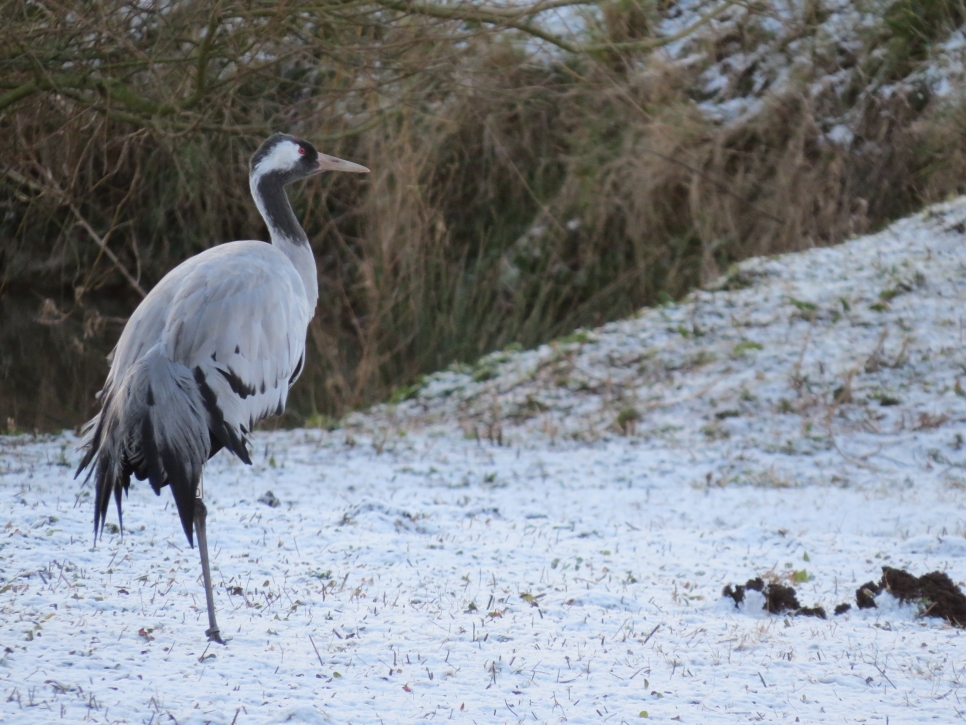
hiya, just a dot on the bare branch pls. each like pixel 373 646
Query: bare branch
pixel 653 43
pixel 511 18
pixel 18 94
pixel 473 13
pixel 98 239
pixel 102 243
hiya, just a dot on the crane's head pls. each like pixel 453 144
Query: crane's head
pixel 290 159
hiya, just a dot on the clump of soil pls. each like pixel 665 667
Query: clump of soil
pixel 778 598
pixel 865 595
pixel 934 593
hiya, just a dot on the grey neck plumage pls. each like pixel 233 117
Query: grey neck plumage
pixel 287 234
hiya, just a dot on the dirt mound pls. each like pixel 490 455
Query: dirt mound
pixel 779 598
pixel 934 593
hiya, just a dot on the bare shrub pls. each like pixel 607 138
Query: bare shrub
pixel 516 194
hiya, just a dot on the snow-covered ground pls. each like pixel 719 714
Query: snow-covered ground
pixel 546 536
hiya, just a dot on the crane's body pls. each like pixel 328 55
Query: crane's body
pixel 209 352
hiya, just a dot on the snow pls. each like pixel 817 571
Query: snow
pixel 500 549
pixel 832 55
pixel 841 134
pixel 827 50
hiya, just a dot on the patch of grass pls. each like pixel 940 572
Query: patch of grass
pixel 461 368
pixel 799 576
pixel 528 409
pixel 745 346
pixel 701 358
pixel 803 306
pixel 484 372
pixel 580 337
pixel 714 431
pixel 323 422
pixel 769 479
pixel 736 278
pixel 627 419
pixel 407 392
pixel 928 421
pixel 910 27
pixel 891 293
pixel 532 600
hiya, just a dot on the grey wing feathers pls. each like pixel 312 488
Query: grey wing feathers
pixel 209 352
pixel 245 336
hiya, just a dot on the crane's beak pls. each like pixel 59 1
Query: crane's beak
pixel 331 163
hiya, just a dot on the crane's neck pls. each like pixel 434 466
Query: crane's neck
pixel 287 234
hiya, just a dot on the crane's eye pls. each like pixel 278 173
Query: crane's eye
pixel 302 150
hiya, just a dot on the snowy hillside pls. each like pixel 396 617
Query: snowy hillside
pixel 546 536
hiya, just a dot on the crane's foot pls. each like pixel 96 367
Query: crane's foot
pixel 214 636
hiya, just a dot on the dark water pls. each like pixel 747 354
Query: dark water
pixel 53 357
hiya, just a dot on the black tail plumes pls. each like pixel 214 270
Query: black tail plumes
pixel 153 423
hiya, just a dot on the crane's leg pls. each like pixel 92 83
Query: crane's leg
pixel 201 515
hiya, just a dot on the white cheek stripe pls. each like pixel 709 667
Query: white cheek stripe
pixel 284 156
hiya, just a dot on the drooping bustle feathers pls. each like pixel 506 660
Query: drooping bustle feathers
pixel 154 425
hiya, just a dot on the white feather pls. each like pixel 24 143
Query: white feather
pixel 284 155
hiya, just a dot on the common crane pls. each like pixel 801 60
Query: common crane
pixel 209 352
